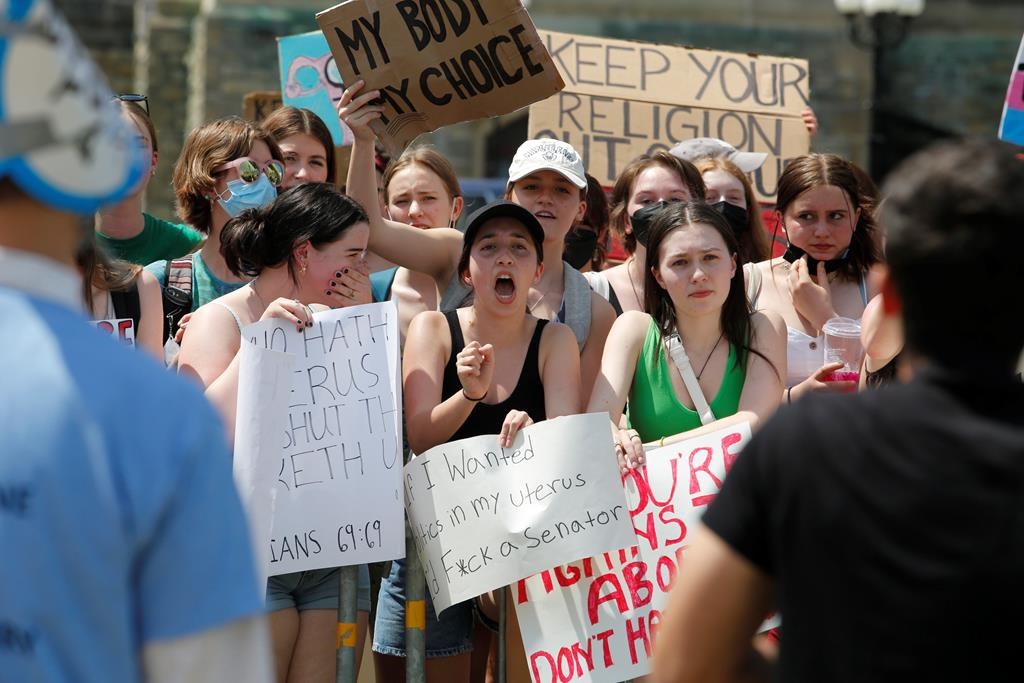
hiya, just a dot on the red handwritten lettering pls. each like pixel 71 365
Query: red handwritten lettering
pixel 704 467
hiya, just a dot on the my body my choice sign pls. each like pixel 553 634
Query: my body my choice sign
pixel 625 98
pixel 438 62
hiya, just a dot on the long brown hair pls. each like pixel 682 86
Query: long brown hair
pixel 623 189
pixel 754 245
pixel 102 272
pixel 287 121
pixel 816 170
pixel 736 311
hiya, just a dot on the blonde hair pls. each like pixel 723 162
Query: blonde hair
pixel 432 160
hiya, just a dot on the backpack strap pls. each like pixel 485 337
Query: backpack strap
pixel 127 304
pixel 576 303
pixel 177 293
pixel 179 274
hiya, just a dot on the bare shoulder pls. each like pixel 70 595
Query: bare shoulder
pixel 428 328
pixel 630 327
pixel 556 334
pixel 765 322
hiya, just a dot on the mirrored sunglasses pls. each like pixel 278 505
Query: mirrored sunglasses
pixel 249 172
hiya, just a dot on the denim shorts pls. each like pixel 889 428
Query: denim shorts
pixel 449 635
pixel 313 589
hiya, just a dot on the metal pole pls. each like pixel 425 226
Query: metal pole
pixel 502 624
pixel 415 614
pixel 347 640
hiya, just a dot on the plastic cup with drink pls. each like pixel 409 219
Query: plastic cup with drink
pixel 843 345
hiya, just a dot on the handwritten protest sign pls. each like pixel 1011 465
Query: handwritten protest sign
pixel 438 62
pixel 121 329
pixel 484 516
pixel 310 79
pixel 1011 128
pixel 595 620
pixel 318 439
pixel 623 99
pixel 259 104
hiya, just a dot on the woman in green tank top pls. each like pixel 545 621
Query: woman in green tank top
pixel 694 287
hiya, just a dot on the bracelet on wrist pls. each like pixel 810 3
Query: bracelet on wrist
pixel 471 399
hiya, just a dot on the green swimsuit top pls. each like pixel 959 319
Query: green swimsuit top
pixel 655 411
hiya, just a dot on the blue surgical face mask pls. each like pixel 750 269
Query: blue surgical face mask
pixel 255 195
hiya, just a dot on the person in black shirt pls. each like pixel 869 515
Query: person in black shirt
pixel 886 527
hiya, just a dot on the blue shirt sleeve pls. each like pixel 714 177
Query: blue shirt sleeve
pixel 158 269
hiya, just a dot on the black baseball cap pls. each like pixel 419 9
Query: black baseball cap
pixel 505 209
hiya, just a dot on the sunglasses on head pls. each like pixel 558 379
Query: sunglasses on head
pixel 249 172
pixel 140 100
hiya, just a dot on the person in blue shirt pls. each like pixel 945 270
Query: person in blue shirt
pixel 126 554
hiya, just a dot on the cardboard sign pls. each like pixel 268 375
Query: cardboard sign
pixel 121 329
pixel 1011 127
pixel 484 516
pixel 623 99
pixel 318 441
pixel 595 620
pixel 438 62
pixel 310 80
pixel 258 104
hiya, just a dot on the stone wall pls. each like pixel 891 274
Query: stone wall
pixel 197 58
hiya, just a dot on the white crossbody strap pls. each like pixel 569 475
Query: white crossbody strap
pixel 682 361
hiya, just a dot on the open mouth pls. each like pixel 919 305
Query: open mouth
pixel 505 289
pixel 545 214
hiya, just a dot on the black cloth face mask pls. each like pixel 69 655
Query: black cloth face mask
pixel 739 219
pixel 794 254
pixel 580 244
pixel 643 218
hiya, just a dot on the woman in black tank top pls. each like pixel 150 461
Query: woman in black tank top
pixel 489 368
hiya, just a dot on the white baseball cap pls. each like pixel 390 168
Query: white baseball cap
pixel 548 155
pixel 703 148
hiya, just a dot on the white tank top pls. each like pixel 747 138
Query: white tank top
pixel 804 355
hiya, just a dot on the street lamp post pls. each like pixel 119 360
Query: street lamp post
pixel 879 26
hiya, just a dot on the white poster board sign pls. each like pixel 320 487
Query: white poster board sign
pixel 318 440
pixel 484 516
pixel 595 620
pixel 121 329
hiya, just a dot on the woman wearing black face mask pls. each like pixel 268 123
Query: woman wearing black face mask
pixel 660 177
pixel 587 243
pixel 729 191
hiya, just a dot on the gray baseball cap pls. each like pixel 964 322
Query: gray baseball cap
pixel 701 148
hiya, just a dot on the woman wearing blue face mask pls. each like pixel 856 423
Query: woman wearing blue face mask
pixel 225 167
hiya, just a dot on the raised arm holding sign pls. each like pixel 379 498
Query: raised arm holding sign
pixel 438 63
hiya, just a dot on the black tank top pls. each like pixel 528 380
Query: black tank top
pixel 487 418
